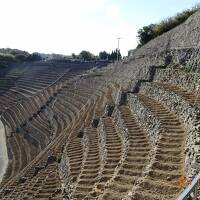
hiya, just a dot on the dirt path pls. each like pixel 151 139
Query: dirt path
pixel 3 151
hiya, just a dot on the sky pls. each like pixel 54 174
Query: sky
pixel 69 26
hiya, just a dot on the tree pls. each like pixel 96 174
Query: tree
pixel 115 55
pixel 86 55
pixel 119 56
pixel 146 34
pixel 34 57
pixel 74 56
pixel 103 55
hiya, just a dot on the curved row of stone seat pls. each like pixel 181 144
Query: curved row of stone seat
pixel 40 135
pixel 16 146
pixel 70 102
pixel 5 84
pixel 74 98
pixel 30 86
pixel 24 189
pixel 36 105
pixel 24 118
pixel 18 114
pixel 9 97
pixel 62 117
pixel 10 78
pixel 37 129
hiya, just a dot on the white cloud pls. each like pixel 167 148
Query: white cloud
pixel 63 26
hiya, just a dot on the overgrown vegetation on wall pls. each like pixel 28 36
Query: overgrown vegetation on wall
pixel 151 31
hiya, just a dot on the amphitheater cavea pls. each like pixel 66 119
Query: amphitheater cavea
pixel 127 130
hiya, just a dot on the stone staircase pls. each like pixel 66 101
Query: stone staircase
pixel 136 157
pixel 168 163
pixel 113 155
pixel 90 166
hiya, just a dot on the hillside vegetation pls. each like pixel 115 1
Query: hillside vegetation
pixel 152 31
pixel 13 55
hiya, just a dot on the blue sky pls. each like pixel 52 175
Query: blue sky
pixel 143 12
pixel 69 26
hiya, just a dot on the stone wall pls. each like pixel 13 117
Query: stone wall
pixel 189 81
pixel 102 142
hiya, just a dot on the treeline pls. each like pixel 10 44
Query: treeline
pixel 15 55
pixel 152 31
pixel 103 55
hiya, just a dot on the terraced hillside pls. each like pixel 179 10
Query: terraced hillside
pixel 127 131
